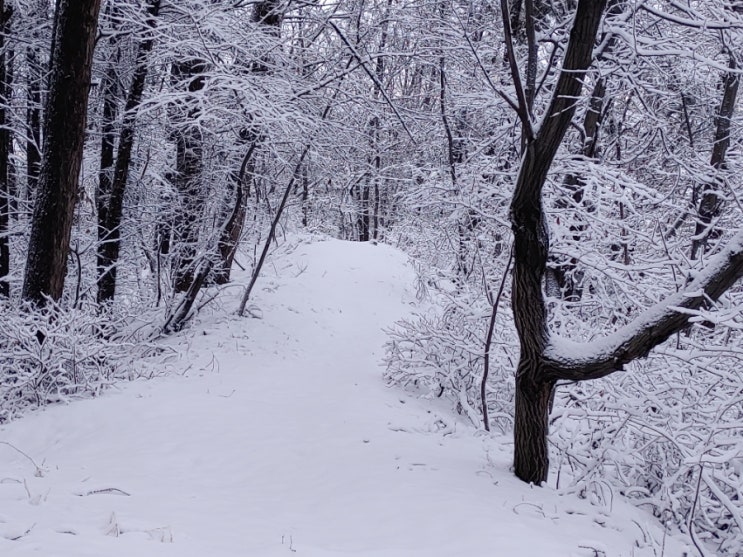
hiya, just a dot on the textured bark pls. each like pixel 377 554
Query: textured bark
pixel 34 86
pixel 64 129
pixel 188 172
pixel 531 244
pixel 544 359
pixel 710 204
pixel 5 188
pixel 110 209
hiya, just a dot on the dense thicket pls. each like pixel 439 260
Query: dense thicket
pixel 446 128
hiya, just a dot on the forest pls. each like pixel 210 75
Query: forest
pixel 564 175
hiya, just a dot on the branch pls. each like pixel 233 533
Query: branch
pixel 509 101
pixel 581 361
pixel 523 108
pixel 374 78
pixel 694 23
pixel 578 58
pixel 489 342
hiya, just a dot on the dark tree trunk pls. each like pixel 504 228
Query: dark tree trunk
pixel 112 200
pixel 305 197
pixel 230 234
pixel 187 178
pixel 710 204
pixel 110 92
pixel 269 14
pixel 10 79
pixel 6 192
pixel 531 244
pixel 34 85
pixel 364 220
pixel 533 404
pixel 543 359
pixel 64 130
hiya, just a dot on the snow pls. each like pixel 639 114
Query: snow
pixel 276 436
pixel 562 349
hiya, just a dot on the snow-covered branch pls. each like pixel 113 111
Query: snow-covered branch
pixel 569 360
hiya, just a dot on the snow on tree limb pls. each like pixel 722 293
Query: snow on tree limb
pixel 576 361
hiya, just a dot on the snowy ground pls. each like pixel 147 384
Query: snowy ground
pixel 277 436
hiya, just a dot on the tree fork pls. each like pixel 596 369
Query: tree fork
pixel 531 242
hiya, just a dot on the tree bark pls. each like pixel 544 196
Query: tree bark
pixel 710 204
pixel 544 358
pixel 112 201
pixel 64 129
pixel 5 187
pixel 531 244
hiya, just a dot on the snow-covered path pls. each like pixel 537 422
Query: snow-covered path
pixel 280 437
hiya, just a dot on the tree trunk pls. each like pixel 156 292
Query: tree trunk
pixel 533 403
pixel 5 188
pixel 544 358
pixel 531 244
pixel 34 85
pixel 269 14
pixel 109 221
pixel 110 92
pixel 230 235
pixel 710 204
pixel 64 129
pixel 187 176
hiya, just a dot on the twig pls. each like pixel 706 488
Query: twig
pixel 488 342
pixel 105 491
pixel 374 78
pixel 39 472
pixel 692 535
pixel 523 108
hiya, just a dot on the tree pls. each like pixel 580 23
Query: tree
pixel 545 358
pixel 35 82
pixel 6 192
pixel 111 190
pixel 5 189
pixel 64 137
pixel 267 16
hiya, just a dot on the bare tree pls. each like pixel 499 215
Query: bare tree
pixel 544 358
pixel 110 194
pixel 64 126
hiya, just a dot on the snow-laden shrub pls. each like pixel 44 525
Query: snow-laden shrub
pixel 441 353
pixel 53 355
pixel 668 434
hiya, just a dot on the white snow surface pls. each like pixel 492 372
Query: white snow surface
pixel 276 436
